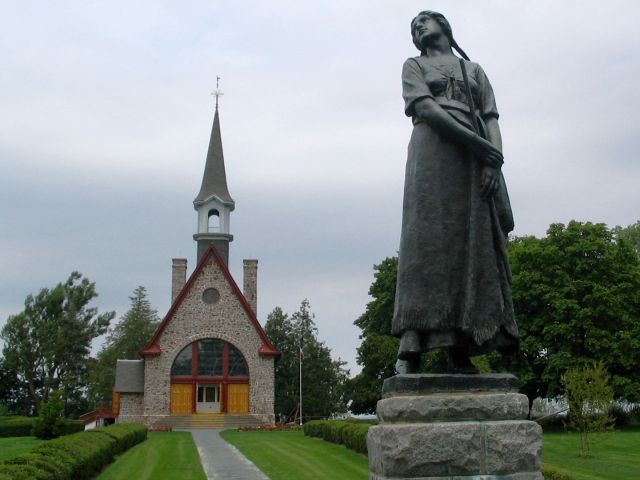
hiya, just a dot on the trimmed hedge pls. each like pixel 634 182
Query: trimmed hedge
pixel 16 426
pixel 351 434
pixel 79 456
pixel 553 473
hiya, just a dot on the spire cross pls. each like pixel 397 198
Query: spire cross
pixel 217 92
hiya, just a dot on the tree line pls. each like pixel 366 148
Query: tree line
pixel 576 293
pixel 47 354
pixel 47 348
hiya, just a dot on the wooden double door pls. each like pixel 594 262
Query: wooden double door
pixel 188 398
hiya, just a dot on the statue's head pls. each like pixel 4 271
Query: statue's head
pixel 438 24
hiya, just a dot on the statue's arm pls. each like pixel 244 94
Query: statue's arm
pixel 493 132
pixel 490 177
pixel 428 110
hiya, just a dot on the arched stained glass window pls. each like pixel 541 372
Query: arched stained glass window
pixel 210 357
pixel 182 363
pixel 237 363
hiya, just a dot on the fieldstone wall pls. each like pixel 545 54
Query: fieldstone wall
pixel 250 283
pixel 194 320
pixel 131 408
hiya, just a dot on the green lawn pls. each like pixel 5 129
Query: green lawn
pixel 12 446
pixel 163 456
pixel 614 456
pixel 289 455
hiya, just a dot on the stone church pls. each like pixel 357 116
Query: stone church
pixel 210 354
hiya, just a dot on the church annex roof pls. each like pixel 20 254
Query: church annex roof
pixel 214 180
pixel 267 348
pixel 129 376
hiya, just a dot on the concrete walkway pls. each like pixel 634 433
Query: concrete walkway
pixel 222 461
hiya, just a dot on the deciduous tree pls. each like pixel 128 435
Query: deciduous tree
pixel 590 397
pixel 48 343
pixel 630 234
pixel 577 298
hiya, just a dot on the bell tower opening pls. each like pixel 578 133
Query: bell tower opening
pixel 214 221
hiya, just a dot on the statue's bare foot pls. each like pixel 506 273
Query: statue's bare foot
pixel 459 361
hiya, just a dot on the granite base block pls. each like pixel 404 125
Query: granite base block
pixel 515 476
pixel 455 406
pixel 434 432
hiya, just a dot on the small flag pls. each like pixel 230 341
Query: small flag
pixel 301 355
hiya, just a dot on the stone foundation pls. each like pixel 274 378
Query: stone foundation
pixel 454 427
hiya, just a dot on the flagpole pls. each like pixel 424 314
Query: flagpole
pixel 300 358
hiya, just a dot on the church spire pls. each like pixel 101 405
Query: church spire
pixel 214 203
pixel 214 180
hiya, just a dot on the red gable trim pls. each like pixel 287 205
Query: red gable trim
pixel 267 348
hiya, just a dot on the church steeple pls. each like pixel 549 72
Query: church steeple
pixel 214 203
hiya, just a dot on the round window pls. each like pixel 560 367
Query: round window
pixel 211 296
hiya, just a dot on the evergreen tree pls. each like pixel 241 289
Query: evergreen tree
pixel 124 341
pixel 323 378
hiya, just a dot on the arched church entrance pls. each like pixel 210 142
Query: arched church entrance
pixel 209 376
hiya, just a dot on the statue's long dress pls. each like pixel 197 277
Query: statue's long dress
pixel 453 277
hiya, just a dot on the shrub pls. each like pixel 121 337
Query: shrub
pixel 634 416
pixel 52 466
pixel 23 472
pixel 621 417
pixel 15 426
pixel 351 434
pixel 355 437
pixel 50 423
pixel 73 426
pixel 553 473
pixel 126 435
pixel 74 457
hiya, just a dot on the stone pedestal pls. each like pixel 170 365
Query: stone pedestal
pixel 454 427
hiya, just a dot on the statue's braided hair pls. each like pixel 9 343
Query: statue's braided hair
pixel 446 28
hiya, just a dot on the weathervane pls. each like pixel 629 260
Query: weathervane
pixel 217 92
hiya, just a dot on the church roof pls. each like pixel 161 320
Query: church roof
pixel 267 348
pixel 214 180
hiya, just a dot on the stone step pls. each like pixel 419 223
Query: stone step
pixel 210 420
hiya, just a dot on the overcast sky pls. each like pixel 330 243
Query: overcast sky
pixel 106 114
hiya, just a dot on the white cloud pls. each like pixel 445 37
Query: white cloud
pixel 106 118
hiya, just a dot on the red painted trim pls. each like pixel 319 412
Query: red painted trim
pixel 202 379
pixel 195 356
pixel 225 359
pixel 267 349
pixel 194 392
pixel 266 352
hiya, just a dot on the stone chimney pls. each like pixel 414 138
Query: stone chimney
pixel 178 276
pixel 250 283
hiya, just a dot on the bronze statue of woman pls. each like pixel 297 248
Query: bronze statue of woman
pixel 454 283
